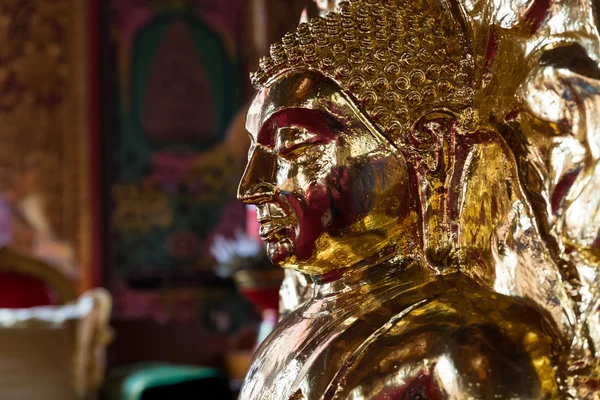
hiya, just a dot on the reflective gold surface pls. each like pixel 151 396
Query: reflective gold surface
pixel 434 167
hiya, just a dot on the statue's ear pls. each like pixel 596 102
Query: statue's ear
pixel 431 146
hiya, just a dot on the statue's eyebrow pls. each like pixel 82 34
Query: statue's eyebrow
pixel 312 121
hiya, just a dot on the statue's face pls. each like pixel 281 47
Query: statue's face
pixel 330 191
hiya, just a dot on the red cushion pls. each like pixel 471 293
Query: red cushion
pixel 23 291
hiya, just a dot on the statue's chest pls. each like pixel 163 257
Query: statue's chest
pixel 313 344
pixel 301 356
pixel 304 354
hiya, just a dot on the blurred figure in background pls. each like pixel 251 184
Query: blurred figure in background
pixel 24 223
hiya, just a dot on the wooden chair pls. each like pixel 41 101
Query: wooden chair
pixel 27 282
pixel 52 343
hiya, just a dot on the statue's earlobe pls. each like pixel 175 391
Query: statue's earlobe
pixel 432 148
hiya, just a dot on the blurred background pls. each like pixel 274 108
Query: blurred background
pixel 128 269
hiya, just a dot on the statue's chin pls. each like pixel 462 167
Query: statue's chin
pixel 279 252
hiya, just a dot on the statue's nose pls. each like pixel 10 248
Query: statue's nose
pixel 258 182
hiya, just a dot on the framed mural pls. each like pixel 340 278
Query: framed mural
pixel 45 175
pixel 173 182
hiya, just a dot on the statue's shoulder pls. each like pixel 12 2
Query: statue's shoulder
pixel 477 344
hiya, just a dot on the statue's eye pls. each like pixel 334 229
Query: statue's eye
pixel 294 151
pixel 291 141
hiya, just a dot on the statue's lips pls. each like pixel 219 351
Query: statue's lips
pixel 273 230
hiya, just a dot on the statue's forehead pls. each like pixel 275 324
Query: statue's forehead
pixel 306 90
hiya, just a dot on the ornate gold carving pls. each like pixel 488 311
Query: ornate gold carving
pixel 404 46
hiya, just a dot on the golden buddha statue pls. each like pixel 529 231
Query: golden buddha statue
pixel 393 143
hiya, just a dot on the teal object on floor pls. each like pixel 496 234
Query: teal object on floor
pixel 150 381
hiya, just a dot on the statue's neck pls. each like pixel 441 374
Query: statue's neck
pixel 391 272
